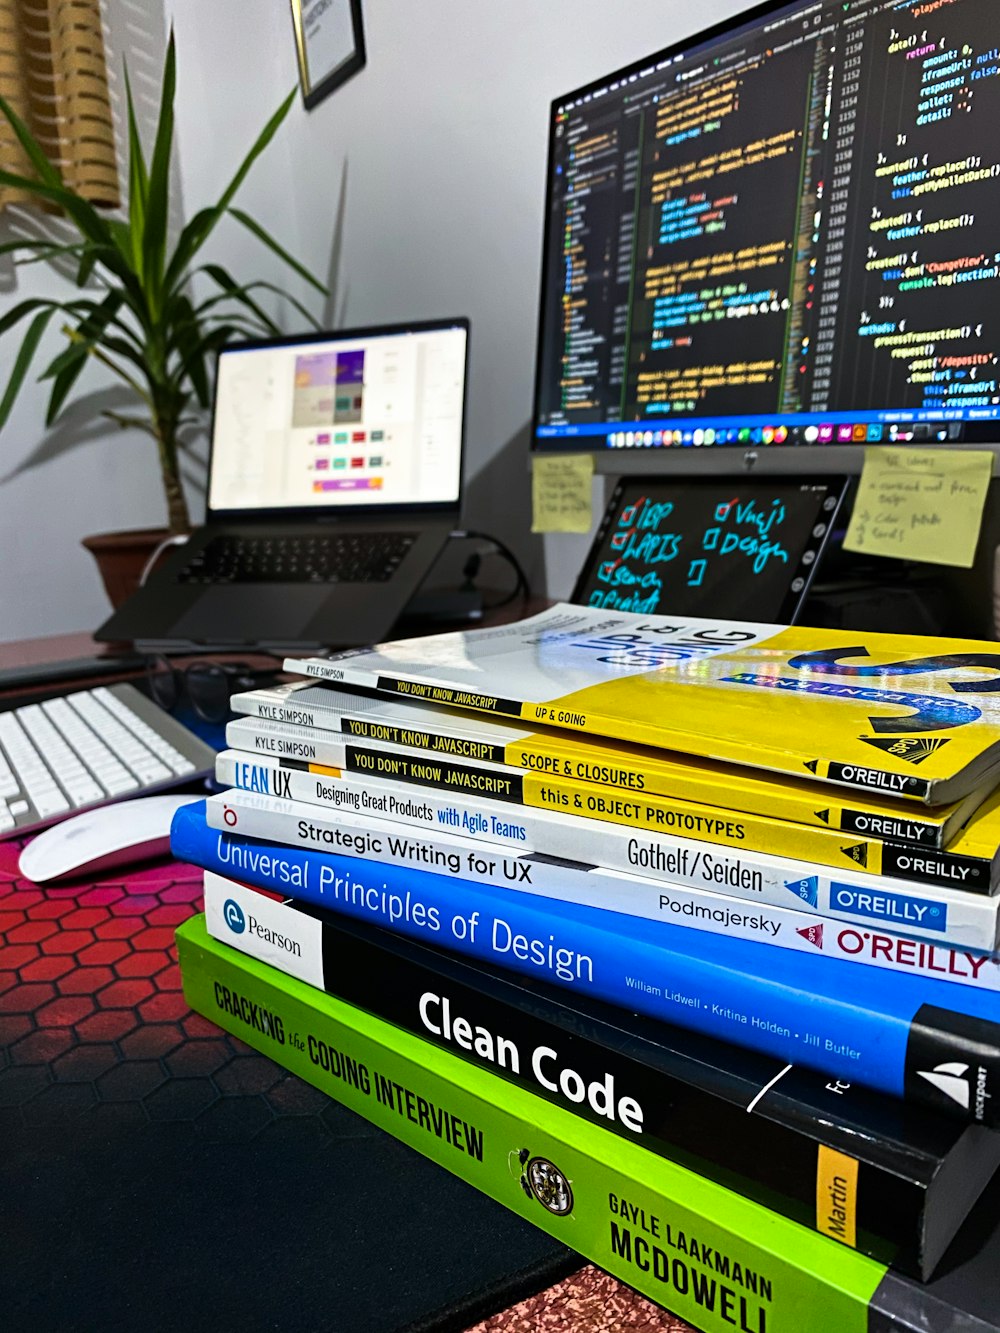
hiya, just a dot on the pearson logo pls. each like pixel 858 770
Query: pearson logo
pixel 232 914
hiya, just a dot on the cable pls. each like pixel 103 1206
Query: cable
pixel 522 580
pixel 175 539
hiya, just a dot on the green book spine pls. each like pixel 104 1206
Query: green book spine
pixel 713 1258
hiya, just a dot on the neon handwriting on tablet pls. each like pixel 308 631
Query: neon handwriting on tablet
pixel 653 547
pixel 749 515
pixel 649 537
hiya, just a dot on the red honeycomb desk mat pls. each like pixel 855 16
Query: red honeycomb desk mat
pixel 146 1153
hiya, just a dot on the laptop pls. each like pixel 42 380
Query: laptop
pixel 334 479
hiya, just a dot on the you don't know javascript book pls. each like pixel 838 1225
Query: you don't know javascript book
pixel 909 716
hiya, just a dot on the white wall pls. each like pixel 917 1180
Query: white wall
pixel 428 168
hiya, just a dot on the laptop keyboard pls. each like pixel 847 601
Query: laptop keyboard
pixel 87 748
pixel 352 557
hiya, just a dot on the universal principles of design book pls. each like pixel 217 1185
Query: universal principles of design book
pixel 714 1258
pixel 903 715
pixel 784 925
pixel 927 1041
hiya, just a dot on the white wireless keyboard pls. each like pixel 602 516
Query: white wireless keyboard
pixel 88 748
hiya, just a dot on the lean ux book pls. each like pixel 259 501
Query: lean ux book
pixel 871 903
pixel 903 715
pixel 927 1041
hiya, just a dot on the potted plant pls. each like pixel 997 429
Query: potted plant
pixel 136 311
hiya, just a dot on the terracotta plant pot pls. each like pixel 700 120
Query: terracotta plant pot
pixel 121 557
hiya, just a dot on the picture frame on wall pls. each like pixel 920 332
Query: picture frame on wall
pixel 330 44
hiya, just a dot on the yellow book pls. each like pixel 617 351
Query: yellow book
pixel 451 733
pixel 315 750
pixel 897 714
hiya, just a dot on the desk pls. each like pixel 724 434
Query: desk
pixel 156 1172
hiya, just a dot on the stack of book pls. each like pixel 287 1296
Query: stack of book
pixel 687 952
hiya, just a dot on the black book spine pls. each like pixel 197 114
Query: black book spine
pixel 947 869
pixel 747 1130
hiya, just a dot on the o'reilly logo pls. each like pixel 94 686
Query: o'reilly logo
pixel 232 914
pixel 897 907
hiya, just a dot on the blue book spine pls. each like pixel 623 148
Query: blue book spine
pixel 907 1036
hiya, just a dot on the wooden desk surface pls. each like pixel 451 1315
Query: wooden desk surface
pixel 81 644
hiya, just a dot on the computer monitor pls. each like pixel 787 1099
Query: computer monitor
pixel 782 233
pixel 701 546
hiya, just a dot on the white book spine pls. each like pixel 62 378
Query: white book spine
pixel 871 902
pixel 354 834
pixel 279 705
pixel 279 740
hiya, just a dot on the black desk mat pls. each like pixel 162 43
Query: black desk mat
pixel 157 1173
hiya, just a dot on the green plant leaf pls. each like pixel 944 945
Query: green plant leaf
pixel 158 203
pixel 263 139
pixel 47 172
pixel 88 221
pixel 272 244
pixel 138 179
pixel 260 285
pixel 84 335
pixel 194 235
pixel 192 358
pixel 38 247
pixel 25 308
pixel 63 383
pixel 23 360
pixel 206 346
pixel 240 294
pixel 188 244
pixel 88 260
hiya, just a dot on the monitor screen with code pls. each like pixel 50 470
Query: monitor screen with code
pixel 744 549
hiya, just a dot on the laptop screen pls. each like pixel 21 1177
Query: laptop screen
pixel 346 420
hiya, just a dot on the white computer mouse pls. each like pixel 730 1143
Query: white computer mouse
pixel 122 833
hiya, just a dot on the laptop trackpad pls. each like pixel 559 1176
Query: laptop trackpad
pixel 249 613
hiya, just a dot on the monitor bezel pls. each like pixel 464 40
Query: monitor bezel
pixel 296 514
pixel 713 460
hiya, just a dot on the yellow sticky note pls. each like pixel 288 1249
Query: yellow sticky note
pixel 921 504
pixel 561 493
